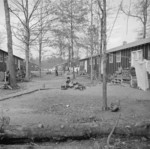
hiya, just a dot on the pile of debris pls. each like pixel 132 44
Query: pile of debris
pixel 121 76
pixel 70 84
pixel 115 106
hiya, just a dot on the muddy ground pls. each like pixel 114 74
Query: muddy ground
pixel 60 107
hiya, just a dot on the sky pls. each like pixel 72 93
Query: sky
pixel 125 27
pixel 3 30
pixel 121 31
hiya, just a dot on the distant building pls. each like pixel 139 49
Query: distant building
pixel 121 56
pixel 3 62
pixel 62 67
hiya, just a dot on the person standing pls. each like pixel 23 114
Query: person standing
pixel 56 72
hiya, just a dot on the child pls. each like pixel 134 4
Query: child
pixel 68 81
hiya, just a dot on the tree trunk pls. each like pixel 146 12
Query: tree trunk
pixel 11 63
pixel 72 42
pixel 69 56
pixel 91 69
pixel 27 77
pixel 100 72
pixel 27 62
pixel 145 19
pixel 27 44
pixel 105 58
pixel 40 37
pixel 40 55
pixel 91 29
pixel 144 31
pixel 101 47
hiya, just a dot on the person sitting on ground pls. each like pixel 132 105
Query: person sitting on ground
pixel 67 84
pixel 68 81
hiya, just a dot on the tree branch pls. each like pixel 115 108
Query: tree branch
pixel 100 5
pixel 34 8
pixel 18 17
pixel 129 14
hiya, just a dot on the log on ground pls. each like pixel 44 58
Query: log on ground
pixel 72 131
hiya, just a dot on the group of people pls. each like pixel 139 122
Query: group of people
pixel 70 84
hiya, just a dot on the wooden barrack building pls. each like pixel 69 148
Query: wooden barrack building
pixel 118 57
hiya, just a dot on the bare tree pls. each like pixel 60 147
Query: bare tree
pixel 26 15
pixel 46 18
pixel 102 6
pixel 71 30
pixel 43 28
pixel 11 63
pixel 139 11
pixel 71 16
pixel 104 41
pixel 100 18
pixel 40 36
pixel 91 41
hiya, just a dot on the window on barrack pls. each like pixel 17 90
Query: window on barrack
pixel 5 58
pixel 16 61
pixel 82 63
pixel 110 58
pixel 1 57
pixel 118 57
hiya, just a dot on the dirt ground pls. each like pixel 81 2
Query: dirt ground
pixel 59 107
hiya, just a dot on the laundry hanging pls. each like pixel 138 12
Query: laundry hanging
pixel 148 66
pixel 141 73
